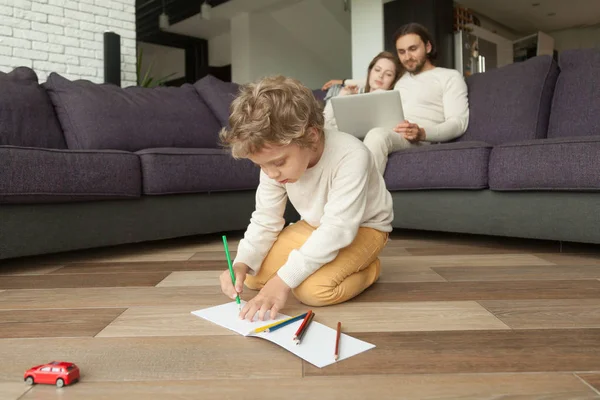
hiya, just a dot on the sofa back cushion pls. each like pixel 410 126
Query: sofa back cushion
pixel 511 103
pixel 27 118
pixel 218 95
pixel 105 116
pixel 576 103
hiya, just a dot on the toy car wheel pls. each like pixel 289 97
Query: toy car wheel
pixel 29 380
pixel 60 383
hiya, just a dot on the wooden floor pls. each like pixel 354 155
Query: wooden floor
pixel 452 316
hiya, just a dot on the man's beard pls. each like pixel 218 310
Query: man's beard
pixel 418 66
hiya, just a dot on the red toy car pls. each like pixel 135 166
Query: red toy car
pixel 57 373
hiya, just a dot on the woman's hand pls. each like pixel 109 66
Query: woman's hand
pixel 271 299
pixel 350 89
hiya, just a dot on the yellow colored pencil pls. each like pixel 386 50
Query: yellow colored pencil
pixel 264 328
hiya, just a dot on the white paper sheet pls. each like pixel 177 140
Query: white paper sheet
pixel 317 346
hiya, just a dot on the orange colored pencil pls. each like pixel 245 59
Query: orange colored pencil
pixel 337 341
pixel 308 314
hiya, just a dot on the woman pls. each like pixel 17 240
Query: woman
pixel 383 72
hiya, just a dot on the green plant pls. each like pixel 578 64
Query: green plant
pixel 148 81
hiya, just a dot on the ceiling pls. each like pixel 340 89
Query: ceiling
pixel 220 17
pixel 522 16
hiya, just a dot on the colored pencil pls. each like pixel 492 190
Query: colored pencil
pixel 337 341
pixel 237 297
pixel 302 325
pixel 265 327
pixel 286 322
pixel 299 338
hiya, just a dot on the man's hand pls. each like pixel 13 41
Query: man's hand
pixel 411 132
pixel 239 271
pixel 331 83
pixel 271 298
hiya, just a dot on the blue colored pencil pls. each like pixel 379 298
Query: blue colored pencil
pixel 286 322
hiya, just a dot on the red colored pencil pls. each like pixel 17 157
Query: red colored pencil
pixel 337 341
pixel 301 335
pixel 308 314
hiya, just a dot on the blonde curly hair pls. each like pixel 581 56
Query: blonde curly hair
pixel 275 110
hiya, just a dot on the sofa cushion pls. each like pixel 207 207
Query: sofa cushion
pixel 218 95
pixel 547 164
pixel 27 117
pixel 176 170
pixel 32 175
pixel 511 103
pixel 105 116
pixel 576 103
pixel 439 166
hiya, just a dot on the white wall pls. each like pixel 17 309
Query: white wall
pixel 219 50
pixel 579 38
pixel 240 48
pixel 497 28
pixel 505 54
pixel 162 61
pixel 66 36
pixel 304 40
pixel 367 34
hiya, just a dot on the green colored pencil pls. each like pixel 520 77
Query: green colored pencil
pixel 237 298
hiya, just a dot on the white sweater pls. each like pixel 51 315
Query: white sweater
pixel 342 192
pixel 436 100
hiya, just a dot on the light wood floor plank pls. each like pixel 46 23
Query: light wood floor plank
pixel 81 280
pixel 142 256
pixel 191 278
pixel 409 387
pixel 356 317
pixel 141 267
pixel 214 256
pixel 545 350
pixel 391 273
pixel 470 249
pixel 154 359
pixel 13 390
pixel 478 260
pixel 30 269
pixel 528 273
pixel 462 291
pixel 56 323
pixel 163 321
pixel 571 259
pixel 107 297
pixel 546 314
pixel 592 379
pixel 117 297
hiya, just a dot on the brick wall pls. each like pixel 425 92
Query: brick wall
pixel 66 36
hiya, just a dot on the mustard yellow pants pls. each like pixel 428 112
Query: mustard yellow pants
pixel 355 268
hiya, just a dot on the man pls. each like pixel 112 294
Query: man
pixel 434 99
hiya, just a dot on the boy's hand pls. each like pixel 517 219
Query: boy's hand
pixel 271 298
pixel 411 132
pixel 239 271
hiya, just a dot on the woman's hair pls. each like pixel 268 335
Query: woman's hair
pixel 388 56
pixel 422 32
pixel 272 111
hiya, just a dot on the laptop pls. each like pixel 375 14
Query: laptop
pixel 357 114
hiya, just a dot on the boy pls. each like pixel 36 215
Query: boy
pixel 330 255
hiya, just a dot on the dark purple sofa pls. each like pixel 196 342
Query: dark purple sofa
pixel 86 165
pixel 528 164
